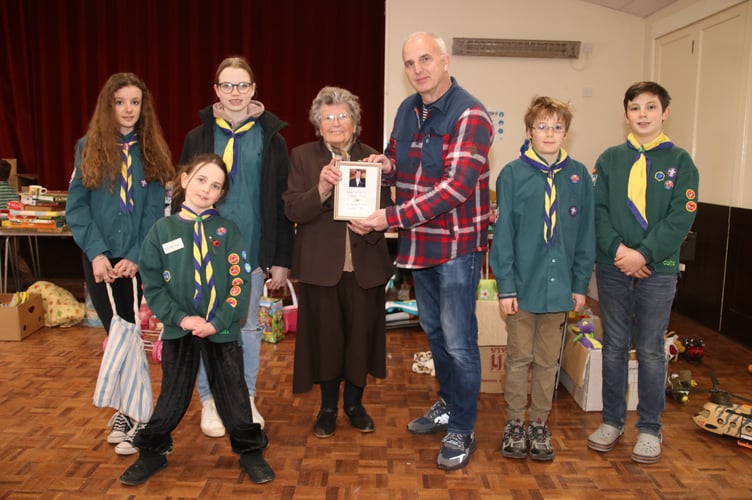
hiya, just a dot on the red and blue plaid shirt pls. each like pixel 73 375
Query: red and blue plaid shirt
pixel 441 174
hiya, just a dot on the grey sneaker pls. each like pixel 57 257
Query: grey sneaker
pixel 436 419
pixel 455 451
pixel 604 438
pixel 514 444
pixel 539 442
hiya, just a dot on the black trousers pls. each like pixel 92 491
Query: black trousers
pixel 224 369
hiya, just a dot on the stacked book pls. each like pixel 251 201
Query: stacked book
pixel 46 216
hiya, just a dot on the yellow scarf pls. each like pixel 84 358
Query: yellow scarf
pixel 203 270
pixel 230 153
pixel 638 176
pixel 126 177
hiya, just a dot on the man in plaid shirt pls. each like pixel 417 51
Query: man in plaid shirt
pixel 437 158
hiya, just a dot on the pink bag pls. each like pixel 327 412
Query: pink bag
pixel 290 312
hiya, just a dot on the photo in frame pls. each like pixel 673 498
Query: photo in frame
pixel 358 194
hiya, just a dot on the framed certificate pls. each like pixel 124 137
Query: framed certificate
pixel 358 194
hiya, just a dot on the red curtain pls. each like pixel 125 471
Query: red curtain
pixel 57 54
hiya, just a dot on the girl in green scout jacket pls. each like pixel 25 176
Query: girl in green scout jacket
pixel 116 193
pixel 542 257
pixel 196 280
pixel 645 203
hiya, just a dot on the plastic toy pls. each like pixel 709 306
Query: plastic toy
pixel 679 384
pixel 694 350
pixel 722 416
pixel 674 346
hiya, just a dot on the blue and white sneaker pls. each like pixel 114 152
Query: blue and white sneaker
pixel 436 419
pixel 455 451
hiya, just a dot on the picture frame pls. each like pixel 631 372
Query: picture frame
pixel 358 194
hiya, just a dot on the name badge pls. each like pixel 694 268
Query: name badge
pixel 172 246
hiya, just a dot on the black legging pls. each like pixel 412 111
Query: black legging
pixel 122 292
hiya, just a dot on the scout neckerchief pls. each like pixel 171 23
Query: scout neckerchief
pixel 126 177
pixel 529 156
pixel 230 153
pixel 201 260
pixel 638 175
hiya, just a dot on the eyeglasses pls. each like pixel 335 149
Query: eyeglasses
pixel 541 128
pixel 338 116
pixel 227 87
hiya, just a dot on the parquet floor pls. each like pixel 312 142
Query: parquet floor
pixel 52 440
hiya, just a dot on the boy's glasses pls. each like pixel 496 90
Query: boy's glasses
pixel 542 128
pixel 227 87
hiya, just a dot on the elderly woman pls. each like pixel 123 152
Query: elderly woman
pixel 341 320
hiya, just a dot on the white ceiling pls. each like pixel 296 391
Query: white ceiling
pixel 640 8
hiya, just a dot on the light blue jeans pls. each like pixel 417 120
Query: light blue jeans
pixel 446 303
pixel 634 310
pixel 250 333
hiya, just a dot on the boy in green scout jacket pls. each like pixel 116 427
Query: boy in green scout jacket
pixel 196 280
pixel 542 257
pixel 645 203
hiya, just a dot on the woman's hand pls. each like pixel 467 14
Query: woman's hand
pixel 328 178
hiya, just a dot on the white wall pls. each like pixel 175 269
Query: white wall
pixel 509 84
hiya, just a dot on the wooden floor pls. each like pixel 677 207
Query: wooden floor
pixel 52 440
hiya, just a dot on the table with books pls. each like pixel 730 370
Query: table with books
pixel 41 216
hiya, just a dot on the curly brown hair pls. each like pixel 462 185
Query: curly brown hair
pixel 100 158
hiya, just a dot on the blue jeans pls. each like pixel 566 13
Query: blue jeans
pixel 634 310
pixel 446 303
pixel 250 333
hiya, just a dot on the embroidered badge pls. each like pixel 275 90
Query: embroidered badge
pixel 691 206
pixel 235 291
pixel 659 175
pixel 166 276
pixel 233 258
pixel 247 267
pixel 143 183
pixel 574 178
pixel 573 211
pixel 234 270
pixel 671 173
pixel 243 255
pixel 232 301
pixel 237 281
pixel 668 185
pixel 221 231
pixel 691 195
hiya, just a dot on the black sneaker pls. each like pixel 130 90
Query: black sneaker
pixel 514 444
pixel 146 466
pixel 455 451
pixel 436 419
pixel 539 442
pixel 326 423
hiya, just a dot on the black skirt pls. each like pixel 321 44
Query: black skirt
pixel 341 334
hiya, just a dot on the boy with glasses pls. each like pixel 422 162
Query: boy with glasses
pixel 542 257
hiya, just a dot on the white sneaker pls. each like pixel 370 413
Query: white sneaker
pixel 125 447
pixel 257 418
pixel 211 424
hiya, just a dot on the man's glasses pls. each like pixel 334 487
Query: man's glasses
pixel 338 116
pixel 227 87
pixel 542 128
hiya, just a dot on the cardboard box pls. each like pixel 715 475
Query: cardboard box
pixel 492 340
pixel 20 321
pixel 581 374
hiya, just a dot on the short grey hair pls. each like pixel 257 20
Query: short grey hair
pixel 329 96
pixel 425 34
